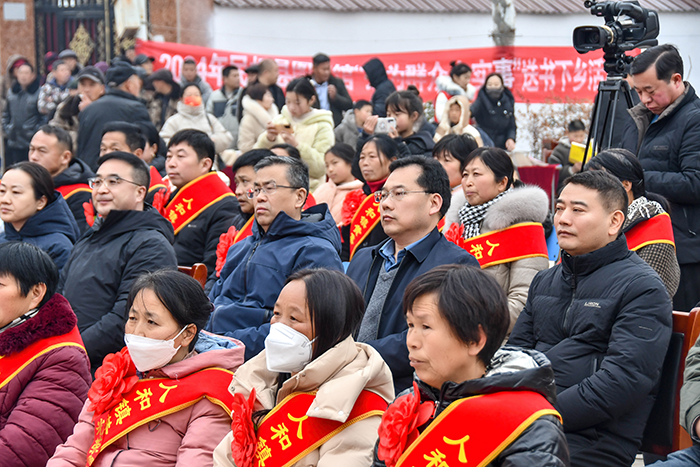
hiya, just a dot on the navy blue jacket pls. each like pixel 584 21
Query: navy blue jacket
pixel 364 269
pixel 53 229
pixel 256 269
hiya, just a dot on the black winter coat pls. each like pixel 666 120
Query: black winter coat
pixel 115 106
pixel 77 172
pixel 376 74
pixel 604 321
pixel 496 118
pixel 103 266
pixel 364 269
pixel 21 117
pixel 342 101
pixel 543 443
pixel 669 151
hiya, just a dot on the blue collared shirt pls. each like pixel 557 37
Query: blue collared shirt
pixel 322 92
pixel 387 252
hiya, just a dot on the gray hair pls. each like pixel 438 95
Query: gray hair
pixel 297 170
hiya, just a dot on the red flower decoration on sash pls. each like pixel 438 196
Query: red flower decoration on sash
pixel 398 427
pixel 455 234
pixel 225 241
pixel 351 202
pixel 89 211
pixel 244 438
pixel 116 376
pixel 160 199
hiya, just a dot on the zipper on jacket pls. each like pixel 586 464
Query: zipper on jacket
pixel 245 277
pixel 571 303
pixel 687 221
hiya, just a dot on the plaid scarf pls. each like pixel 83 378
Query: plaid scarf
pixel 472 216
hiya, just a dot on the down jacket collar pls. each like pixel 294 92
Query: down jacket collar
pixel 583 265
pixel 56 217
pixel 315 222
pixel 120 222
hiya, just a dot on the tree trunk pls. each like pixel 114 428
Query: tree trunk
pixel 503 13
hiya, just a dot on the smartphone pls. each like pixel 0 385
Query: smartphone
pixel 384 125
pixel 286 128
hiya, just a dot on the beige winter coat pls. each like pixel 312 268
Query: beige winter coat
pixel 195 118
pixel 314 135
pixel 462 127
pixel 254 122
pixel 526 204
pixel 339 375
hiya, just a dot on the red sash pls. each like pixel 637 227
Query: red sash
pixel 156 180
pixel 475 430
pixel 287 434
pixel 69 190
pixel 310 202
pixel 441 225
pixel 11 366
pixel 363 222
pixel 154 398
pixel 658 229
pixel 192 199
pixel 246 231
pixel 525 240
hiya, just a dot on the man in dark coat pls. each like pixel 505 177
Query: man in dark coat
pixel 284 240
pixel 268 72
pixel 376 75
pixel 127 240
pixel 665 135
pixel 331 91
pixel 603 318
pixel 52 148
pixel 120 104
pixel 21 117
pixel 415 197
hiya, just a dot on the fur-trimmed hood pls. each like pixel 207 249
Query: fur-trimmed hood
pixel 55 318
pixel 445 83
pixel 525 204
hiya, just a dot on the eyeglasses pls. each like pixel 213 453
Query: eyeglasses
pixel 110 182
pixel 268 188
pixel 398 194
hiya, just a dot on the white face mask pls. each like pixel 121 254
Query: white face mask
pixel 286 349
pixel 148 354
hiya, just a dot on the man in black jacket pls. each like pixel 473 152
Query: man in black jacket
pixel 376 75
pixel 665 135
pixel 21 117
pixel 127 240
pixel 268 72
pixel 120 104
pixel 331 91
pixel 603 318
pixel 414 198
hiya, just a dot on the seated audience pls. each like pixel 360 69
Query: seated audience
pixel 34 213
pixel 340 182
pixel 455 120
pixel 498 212
pixel 52 148
pixel 414 198
pixel 500 400
pixel 603 318
pixel 647 226
pixel 44 367
pixel 340 388
pixel 575 133
pixel 127 240
pixel 283 241
pixel 163 399
pixel 452 151
pixel 350 128
pixel 259 109
pixel 286 150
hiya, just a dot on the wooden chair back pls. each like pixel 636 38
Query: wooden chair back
pixel 198 271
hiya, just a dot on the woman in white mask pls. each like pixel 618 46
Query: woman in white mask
pixel 314 396
pixel 163 400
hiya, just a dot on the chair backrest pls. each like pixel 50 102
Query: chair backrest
pixel 198 271
pixel 545 177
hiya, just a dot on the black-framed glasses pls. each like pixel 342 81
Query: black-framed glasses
pixel 398 194
pixel 268 188
pixel 110 182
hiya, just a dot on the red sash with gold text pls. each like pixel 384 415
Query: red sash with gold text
pixel 365 219
pixel 475 430
pixel 658 229
pixel 287 434
pixel 156 180
pixel 246 231
pixel 69 190
pixel 12 365
pixel 154 398
pixel 525 240
pixel 192 199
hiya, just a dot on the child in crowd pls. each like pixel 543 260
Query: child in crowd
pixel 351 127
pixel 340 182
pixel 455 120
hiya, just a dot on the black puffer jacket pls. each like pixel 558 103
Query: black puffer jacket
pixel 543 443
pixel 376 74
pixel 496 116
pixel 604 321
pixel 21 117
pixel 77 172
pixel 669 151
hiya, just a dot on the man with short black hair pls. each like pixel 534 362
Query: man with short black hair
pixel 414 199
pixel 244 170
pixel 603 318
pixel 331 91
pixel 189 76
pixel 665 136
pixel 145 62
pixel 223 103
pixel 127 240
pixel 52 148
pixel 284 240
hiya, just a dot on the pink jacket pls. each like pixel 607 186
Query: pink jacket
pixel 184 438
pixel 334 195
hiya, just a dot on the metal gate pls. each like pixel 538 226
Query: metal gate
pixel 85 26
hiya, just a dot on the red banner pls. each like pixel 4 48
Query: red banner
pixel 534 74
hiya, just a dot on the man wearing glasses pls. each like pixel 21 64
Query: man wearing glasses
pixel 283 241
pixel 413 200
pixel 127 240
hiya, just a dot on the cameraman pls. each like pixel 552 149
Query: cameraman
pixel 665 135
